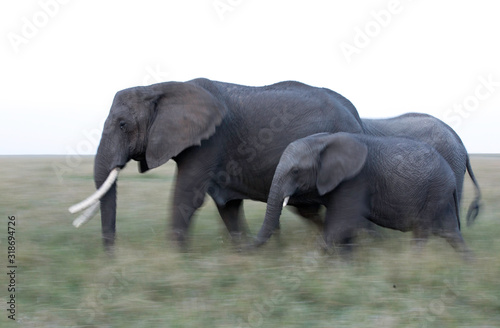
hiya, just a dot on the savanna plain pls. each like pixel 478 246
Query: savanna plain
pixel 64 278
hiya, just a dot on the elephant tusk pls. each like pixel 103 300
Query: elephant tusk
pixel 95 197
pixel 87 215
pixel 285 201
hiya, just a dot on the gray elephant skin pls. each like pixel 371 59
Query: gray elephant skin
pixel 440 136
pixel 433 132
pixel 396 183
pixel 226 140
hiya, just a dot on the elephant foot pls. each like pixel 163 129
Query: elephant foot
pixel 469 257
pixel 179 239
pixel 238 241
pixel 237 238
pixel 108 241
pixel 343 251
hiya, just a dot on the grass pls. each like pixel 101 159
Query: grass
pixel 65 280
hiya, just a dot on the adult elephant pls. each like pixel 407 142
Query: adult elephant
pixel 439 135
pixel 226 140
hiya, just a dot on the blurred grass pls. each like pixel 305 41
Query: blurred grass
pixel 65 280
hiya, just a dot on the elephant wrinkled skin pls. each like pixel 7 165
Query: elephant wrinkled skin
pixel 396 183
pixel 226 140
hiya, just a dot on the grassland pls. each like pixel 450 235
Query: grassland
pixel 65 280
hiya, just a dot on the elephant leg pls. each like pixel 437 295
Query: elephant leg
pixel 186 200
pixel 311 213
pixel 449 229
pixel 234 219
pixel 347 209
pixel 420 238
pixel 339 232
pixel 339 238
pixel 455 239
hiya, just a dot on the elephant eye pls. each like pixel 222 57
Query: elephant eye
pixel 123 125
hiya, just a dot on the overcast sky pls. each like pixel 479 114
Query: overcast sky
pixel 63 61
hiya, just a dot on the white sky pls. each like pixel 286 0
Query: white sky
pixel 63 61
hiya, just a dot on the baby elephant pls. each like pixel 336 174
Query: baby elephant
pixel 396 183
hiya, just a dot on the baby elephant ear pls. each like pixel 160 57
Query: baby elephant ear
pixel 183 116
pixel 341 159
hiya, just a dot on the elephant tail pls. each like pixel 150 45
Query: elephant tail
pixel 474 206
pixel 457 207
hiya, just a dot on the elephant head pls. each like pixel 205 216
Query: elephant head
pixel 151 125
pixel 318 163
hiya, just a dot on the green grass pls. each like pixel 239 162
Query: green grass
pixel 64 279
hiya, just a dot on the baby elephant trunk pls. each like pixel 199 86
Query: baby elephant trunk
pixel 275 203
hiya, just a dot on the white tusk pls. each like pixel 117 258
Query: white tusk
pixel 87 215
pixel 286 201
pixel 98 194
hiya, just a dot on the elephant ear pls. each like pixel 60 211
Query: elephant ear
pixel 183 115
pixel 342 158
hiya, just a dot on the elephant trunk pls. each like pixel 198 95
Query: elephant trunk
pixel 108 218
pixel 105 162
pixel 276 201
